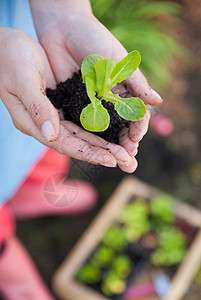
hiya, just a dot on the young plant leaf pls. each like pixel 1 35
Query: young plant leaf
pixel 100 75
pixel 125 67
pixel 95 117
pixel 88 67
pixel 103 70
pixel 131 109
pixel 91 90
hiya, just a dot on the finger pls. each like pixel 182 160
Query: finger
pixel 62 63
pixel 125 141
pixel 65 143
pixel 70 145
pixel 20 116
pixel 31 93
pixel 138 129
pixel 48 77
pixel 131 168
pixel 138 86
pixel 117 151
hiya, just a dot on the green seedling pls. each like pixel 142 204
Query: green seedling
pixel 134 212
pixel 172 247
pixel 135 219
pixel 89 274
pixel 162 210
pixel 113 284
pixel 122 266
pixel 115 238
pixel 103 256
pixel 100 76
pixel 134 232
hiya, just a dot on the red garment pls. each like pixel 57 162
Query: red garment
pixel 7 223
pixel 51 163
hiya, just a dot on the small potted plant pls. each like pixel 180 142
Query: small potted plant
pixel 161 209
pixel 88 100
pixel 113 284
pixel 115 238
pixel 89 274
pixel 172 247
pixel 134 217
pixel 122 265
pixel 103 256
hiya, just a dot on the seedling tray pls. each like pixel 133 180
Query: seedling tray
pixel 66 285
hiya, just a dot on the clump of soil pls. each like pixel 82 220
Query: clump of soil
pixel 71 97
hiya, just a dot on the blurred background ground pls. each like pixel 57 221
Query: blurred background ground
pixel 172 163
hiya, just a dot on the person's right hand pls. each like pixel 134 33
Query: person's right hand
pixel 25 73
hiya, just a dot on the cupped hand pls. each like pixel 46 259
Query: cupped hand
pixel 25 73
pixel 68 36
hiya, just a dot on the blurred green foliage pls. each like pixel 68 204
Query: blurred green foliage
pixel 172 247
pixel 89 274
pixel 115 237
pixel 103 256
pixel 135 24
pixel 122 265
pixel 135 219
pixel 113 284
pixel 162 210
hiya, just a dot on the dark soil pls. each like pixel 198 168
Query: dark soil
pixel 71 97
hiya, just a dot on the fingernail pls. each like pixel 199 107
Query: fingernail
pixel 156 95
pixel 135 152
pixel 48 130
pixel 111 164
pixel 125 163
pixel 107 163
pixel 137 137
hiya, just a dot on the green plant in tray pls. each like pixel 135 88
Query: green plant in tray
pixel 134 212
pixel 100 76
pixel 172 247
pixel 135 219
pixel 161 208
pixel 115 238
pixel 113 284
pixel 89 274
pixel 103 256
pixel 110 265
pixel 122 265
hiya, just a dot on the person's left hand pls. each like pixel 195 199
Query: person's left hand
pixel 69 32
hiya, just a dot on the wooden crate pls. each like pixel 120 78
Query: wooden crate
pixel 64 283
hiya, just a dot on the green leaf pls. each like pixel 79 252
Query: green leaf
pixel 88 67
pixel 90 87
pixel 95 117
pixel 131 109
pixel 103 70
pixel 125 67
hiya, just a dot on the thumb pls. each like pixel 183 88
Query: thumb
pixel 41 110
